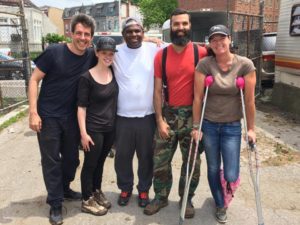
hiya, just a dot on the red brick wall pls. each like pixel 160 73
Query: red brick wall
pixel 271 9
pixel 271 12
pixel 196 5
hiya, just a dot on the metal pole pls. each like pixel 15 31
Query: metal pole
pixel 25 47
pixel 261 27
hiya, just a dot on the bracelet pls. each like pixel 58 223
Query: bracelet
pixel 196 126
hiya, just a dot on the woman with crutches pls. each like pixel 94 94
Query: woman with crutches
pixel 221 125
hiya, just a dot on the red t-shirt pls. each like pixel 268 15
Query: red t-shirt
pixel 180 70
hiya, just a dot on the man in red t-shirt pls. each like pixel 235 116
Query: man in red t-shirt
pixel 174 119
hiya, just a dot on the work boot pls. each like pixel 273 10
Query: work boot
pixel 71 195
pixel 143 199
pixel 189 210
pixel 124 198
pixel 91 206
pixel 101 199
pixel 221 215
pixel 55 217
pixel 155 205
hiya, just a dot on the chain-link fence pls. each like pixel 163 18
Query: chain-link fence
pixel 246 30
pixel 15 64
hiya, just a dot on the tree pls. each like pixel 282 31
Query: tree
pixel 55 38
pixel 156 12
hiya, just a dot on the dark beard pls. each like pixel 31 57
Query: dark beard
pixel 180 40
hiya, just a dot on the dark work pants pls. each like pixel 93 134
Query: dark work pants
pixel 58 141
pixel 134 134
pixel 92 170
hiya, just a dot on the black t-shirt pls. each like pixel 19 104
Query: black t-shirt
pixel 100 101
pixel 62 70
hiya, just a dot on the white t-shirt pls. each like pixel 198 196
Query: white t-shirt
pixel 134 72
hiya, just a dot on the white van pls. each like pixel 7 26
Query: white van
pixel 286 90
pixel 117 36
pixel 5 51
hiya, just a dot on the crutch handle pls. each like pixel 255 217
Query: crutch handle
pixel 209 80
pixel 252 146
pixel 240 82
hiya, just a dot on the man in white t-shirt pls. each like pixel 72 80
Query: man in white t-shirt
pixel 134 72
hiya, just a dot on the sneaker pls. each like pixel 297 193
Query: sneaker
pixel 124 198
pixel 112 153
pixel 221 215
pixel 55 217
pixel 91 206
pixel 101 199
pixel 189 210
pixel 154 206
pixel 71 195
pixel 143 199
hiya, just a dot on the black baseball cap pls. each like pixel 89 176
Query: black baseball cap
pixel 218 29
pixel 106 43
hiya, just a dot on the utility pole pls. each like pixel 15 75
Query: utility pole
pixel 25 47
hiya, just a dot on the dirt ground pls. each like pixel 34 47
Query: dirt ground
pixel 23 195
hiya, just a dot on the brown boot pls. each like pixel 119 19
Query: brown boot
pixel 92 207
pixel 154 206
pixel 101 199
pixel 189 210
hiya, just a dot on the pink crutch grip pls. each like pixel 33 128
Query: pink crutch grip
pixel 209 80
pixel 240 82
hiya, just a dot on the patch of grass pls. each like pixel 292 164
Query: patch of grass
pixel 284 155
pixel 13 120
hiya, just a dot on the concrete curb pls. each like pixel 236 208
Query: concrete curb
pixel 8 116
pixel 271 136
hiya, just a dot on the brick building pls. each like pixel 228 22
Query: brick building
pixel 108 15
pixel 271 8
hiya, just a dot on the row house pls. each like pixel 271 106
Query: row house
pixel 108 15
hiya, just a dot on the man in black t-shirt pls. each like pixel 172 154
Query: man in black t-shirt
pixel 53 113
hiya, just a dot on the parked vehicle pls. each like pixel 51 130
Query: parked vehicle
pixel 286 89
pixel 5 51
pixel 11 68
pixel 268 59
pixel 114 35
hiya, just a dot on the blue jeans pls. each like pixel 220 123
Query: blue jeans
pixel 221 141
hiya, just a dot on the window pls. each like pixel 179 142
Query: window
pixel 111 8
pixel 116 25
pixel 3 20
pixel 295 21
pixel 37 30
pixel 88 11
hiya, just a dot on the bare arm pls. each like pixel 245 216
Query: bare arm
pixel 162 126
pixel 85 138
pixel 197 102
pixel 250 81
pixel 35 122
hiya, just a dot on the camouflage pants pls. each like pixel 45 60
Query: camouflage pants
pixel 180 122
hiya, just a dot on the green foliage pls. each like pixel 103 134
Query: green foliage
pixel 136 2
pixel 54 38
pixel 13 120
pixel 156 12
pixel 33 55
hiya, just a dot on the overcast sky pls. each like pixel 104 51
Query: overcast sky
pixel 66 3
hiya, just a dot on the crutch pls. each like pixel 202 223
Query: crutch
pixel 208 82
pixel 251 147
